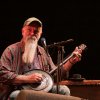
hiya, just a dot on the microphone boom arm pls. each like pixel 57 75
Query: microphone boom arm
pixel 60 43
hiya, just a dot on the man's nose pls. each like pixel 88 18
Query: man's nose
pixel 32 33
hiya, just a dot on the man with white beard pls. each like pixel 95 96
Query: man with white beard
pixel 27 55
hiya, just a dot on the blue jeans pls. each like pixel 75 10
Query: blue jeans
pixel 14 94
pixel 64 90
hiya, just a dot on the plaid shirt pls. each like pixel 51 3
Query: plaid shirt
pixel 12 64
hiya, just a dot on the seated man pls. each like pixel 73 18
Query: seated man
pixel 27 55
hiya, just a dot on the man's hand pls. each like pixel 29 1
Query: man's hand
pixel 33 78
pixel 76 55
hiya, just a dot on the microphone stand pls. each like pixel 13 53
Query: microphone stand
pixel 59 60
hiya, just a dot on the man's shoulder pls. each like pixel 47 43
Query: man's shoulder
pixel 40 49
pixel 14 45
pixel 39 46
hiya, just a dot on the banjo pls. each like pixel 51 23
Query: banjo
pixel 47 81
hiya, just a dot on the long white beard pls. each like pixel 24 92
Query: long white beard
pixel 30 49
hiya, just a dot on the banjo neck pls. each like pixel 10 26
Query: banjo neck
pixel 62 63
pixel 82 47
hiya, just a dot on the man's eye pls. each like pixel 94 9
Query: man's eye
pixel 36 31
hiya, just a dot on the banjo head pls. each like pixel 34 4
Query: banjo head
pixel 45 85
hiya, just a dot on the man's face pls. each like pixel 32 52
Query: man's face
pixel 31 35
pixel 31 32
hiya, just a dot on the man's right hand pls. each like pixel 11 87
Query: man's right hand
pixel 33 78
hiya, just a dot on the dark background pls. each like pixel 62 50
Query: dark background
pixel 61 21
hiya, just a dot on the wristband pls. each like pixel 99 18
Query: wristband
pixel 71 62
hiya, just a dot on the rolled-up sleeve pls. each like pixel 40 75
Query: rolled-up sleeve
pixel 6 67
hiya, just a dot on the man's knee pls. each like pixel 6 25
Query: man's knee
pixel 62 89
pixel 14 94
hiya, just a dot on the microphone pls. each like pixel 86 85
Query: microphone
pixel 60 43
pixel 43 42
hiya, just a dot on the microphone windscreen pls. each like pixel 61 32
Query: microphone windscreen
pixel 43 42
